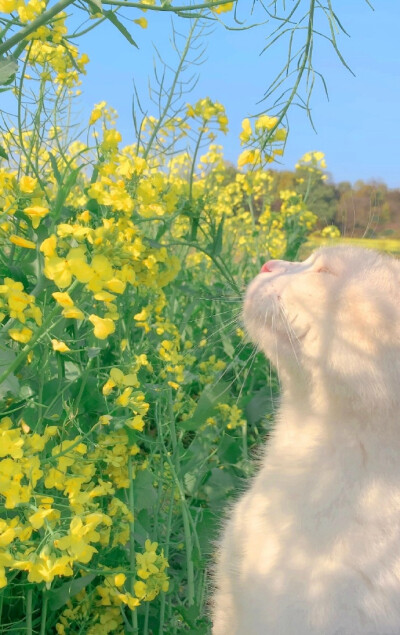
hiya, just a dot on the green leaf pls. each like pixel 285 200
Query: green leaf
pixel 209 399
pixel 8 68
pixel 11 383
pixel 59 597
pixel 3 153
pixel 227 345
pixel 110 15
pixel 145 492
pixel 260 405
pixel 220 485
pixel 217 247
pixel 55 168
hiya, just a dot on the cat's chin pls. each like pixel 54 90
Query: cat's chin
pixel 282 344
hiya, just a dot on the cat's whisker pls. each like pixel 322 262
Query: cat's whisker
pixel 251 358
pixel 290 333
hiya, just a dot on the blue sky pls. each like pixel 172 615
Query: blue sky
pixel 358 128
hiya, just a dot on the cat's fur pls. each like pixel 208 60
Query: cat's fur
pixel 313 547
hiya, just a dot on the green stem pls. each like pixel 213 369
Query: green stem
pixel 44 615
pixel 301 68
pixel 132 553
pixel 29 594
pixel 146 619
pixel 194 162
pixel 224 273
pixel 167 7
pixel 166 542
pixel 171 92
pixel 185 513
pixel 244 442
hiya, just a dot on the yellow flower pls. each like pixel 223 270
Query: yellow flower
pixel 136 423
pixel 21 335
pixel 115 285
pixel 27 184
pixel 37 519
pixel 61 270
pixel 8 6
pixel 266 123
pixel 73 313
pixel 246 131
pixel 123 399
pixel 104 420
pixel 103 327
pixel 59 346
pixel 141 22
pixel 94 116
pixel 224 8
pixel 249 157
pixel 63 298
pixel 36 213
pixel 22 242
pixel 48 246
pixel 129 600
pixel 119 579
pixel 140 589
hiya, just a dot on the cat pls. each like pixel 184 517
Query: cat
pixel 313 547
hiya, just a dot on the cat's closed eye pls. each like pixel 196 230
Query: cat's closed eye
pixel 323 269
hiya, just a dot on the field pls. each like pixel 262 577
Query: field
pixel 131 402
pixel 131 399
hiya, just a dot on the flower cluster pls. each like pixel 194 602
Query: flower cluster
pixel 112 260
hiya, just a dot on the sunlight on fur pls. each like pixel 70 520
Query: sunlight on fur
pixel 313 547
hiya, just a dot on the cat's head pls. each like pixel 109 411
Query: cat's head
pixel 335 316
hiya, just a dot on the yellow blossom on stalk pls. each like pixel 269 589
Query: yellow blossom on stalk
pixel 11 443
pixel 119 579
pixel 22 242
pixel 7 534
pixel 38 519
pixel 223 8
pixel 111 139
pixel 48 246
pixel 266 123
pixel 8 6
pixel 129 600
pixel 6 560
pixel 27 184
pixel 249 157
pixel 246 131
pixel 21 335
pixel 59 346
pixel 63 298
pixel 103 327
pixel 141 22
pixel 136 423
pixel 44 566
pixel 123 399
pixel 95 115
pixel 73 313
pixel 140 589
pixel 36 213
pixel 61 270
pixel 31 10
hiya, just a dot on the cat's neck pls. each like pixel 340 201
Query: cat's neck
pixel 312 396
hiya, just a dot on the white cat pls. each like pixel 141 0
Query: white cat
pixel 313 547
